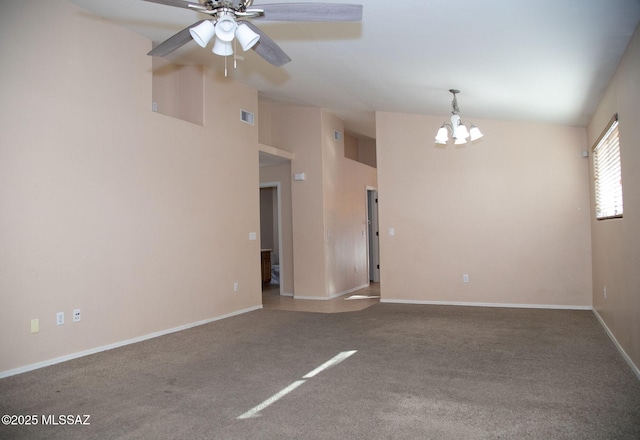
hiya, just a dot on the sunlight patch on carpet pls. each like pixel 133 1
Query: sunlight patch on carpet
pixel 255 411
pixel 330 363
pixel 361 297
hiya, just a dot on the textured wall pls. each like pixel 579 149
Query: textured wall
pixel 140 220
pixel 616 242
pixel 511 211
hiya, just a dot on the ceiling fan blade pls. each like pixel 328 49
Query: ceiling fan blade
pixel 311 12
pixel 174 42
pixel 267 48
pixel 180 4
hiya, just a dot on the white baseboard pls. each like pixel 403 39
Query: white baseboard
pixel 312 298
pixel 335 295
pixel 69 357
pixel 624 354
pixel 476 304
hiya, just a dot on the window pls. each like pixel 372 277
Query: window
pixel 607 173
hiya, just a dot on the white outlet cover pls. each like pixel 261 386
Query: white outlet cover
pixel 76 315
pixel 60 318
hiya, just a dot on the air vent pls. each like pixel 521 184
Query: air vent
pixel 337 136
pixel 246 116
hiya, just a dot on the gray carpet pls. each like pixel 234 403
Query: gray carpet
pixel 428 372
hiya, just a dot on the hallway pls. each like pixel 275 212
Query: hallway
pixel 351 302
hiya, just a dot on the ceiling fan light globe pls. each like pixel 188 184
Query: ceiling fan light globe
pixel 246 37
pixel 222 48
pixel 226 28
pixel 203 33
pixel 460 141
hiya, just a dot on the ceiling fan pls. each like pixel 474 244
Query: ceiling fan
pixel 230 20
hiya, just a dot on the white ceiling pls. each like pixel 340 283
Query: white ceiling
pixel 534 60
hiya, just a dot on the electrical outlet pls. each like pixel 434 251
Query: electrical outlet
pixel 76 315
pixel 235 286
pixel 60 318
pixel 465 278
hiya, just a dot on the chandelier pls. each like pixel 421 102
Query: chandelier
pixel 459 131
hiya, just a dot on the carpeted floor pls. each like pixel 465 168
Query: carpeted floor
pixel 419 372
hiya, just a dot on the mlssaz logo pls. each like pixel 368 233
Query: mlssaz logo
pixel 66 419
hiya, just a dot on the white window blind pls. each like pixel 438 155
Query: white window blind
pixel 607 173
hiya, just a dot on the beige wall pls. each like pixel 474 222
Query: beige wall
pixel 511 211
pixel 298 130
pixel 345 213
pixel 367 151
pixel 108 207
pixel 328 207
pixel 616 242
pixel 350 147
pixel 178 91
pixel 360 149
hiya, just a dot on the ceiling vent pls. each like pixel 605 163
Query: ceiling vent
pixel 246 116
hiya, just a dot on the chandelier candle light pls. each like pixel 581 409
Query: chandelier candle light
pixel 458 129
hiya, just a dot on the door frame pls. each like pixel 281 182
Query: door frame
pixel 373 234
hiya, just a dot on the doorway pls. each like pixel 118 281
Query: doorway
pixel 271 232
pixel 373 235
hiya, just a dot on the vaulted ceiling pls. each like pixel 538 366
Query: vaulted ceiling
pixel 535 60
